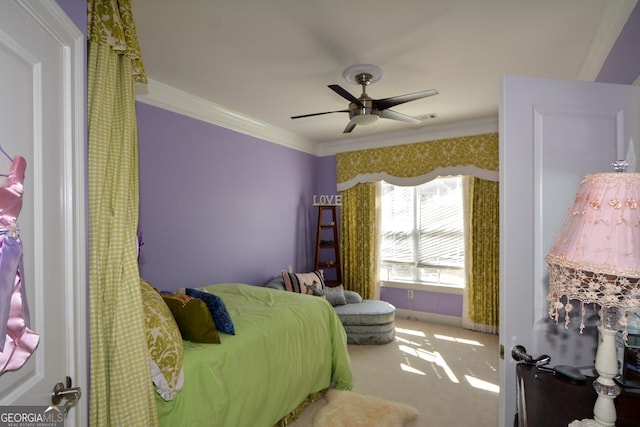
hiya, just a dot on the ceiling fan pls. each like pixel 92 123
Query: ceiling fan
pixel 365 110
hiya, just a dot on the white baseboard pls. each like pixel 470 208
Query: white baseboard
pixel 429 317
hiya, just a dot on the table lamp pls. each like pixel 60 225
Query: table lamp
pixel 595 259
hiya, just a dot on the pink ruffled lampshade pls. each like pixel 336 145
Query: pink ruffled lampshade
pixel 595 257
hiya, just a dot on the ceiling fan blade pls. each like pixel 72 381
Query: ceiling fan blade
pixel 349 127
pixel 382 104
pixel 319 114
pixel 390 114
pixel 345 94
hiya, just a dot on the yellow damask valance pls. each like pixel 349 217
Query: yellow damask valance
pixel 110 23
pixel 413 164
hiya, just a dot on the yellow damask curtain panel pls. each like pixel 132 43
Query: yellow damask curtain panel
pixel 481 305
pixel 358 239
pixel 121 390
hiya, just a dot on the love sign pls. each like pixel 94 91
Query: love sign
pixel 327 200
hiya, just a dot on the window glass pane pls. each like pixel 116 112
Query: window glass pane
pixel 422 232
pixel 397 223
pixel 397 272
pixel 444 276
pixel 398 213
pixel 440 249
pixel 397 247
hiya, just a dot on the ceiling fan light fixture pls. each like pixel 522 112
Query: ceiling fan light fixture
pixel 364 119
pixel 364 110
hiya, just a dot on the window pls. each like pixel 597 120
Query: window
pixel 422 233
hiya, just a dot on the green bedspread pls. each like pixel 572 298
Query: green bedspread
pixel 286 346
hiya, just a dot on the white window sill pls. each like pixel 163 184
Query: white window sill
pixel 426 287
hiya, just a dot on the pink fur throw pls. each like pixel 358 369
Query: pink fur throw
pixel 350 409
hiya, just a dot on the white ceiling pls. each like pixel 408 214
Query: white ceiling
pixel 262 61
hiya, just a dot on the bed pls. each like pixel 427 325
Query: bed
pixel 286 346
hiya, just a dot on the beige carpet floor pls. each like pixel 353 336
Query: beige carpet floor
pixel 449 374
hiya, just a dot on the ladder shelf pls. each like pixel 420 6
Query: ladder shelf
pixel 328 245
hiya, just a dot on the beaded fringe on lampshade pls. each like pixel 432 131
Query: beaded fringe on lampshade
pixel 595 257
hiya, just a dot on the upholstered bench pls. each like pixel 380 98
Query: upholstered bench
pixel 368 322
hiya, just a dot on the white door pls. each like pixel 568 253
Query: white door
pixel 552 133
pixel 42 120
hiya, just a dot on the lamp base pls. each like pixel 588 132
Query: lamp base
pixel 604 410
pixel 588 423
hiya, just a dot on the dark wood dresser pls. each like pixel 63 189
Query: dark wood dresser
pixel 547 400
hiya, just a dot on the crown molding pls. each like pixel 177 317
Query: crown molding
pixel 612 21
pixel 169 98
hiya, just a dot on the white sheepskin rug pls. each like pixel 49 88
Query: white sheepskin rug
pixel 350 409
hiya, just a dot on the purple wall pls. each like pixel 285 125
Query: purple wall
pixel 327 175
pixel 219 206
pixel 430 302
pixel 77 11
pixel 623 63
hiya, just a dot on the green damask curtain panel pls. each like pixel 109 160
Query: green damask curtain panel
pixel 121 390
pixel 413 164
pixel 481 303
pixel 358 239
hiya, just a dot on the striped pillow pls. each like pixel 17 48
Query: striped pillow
pixel 303 283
